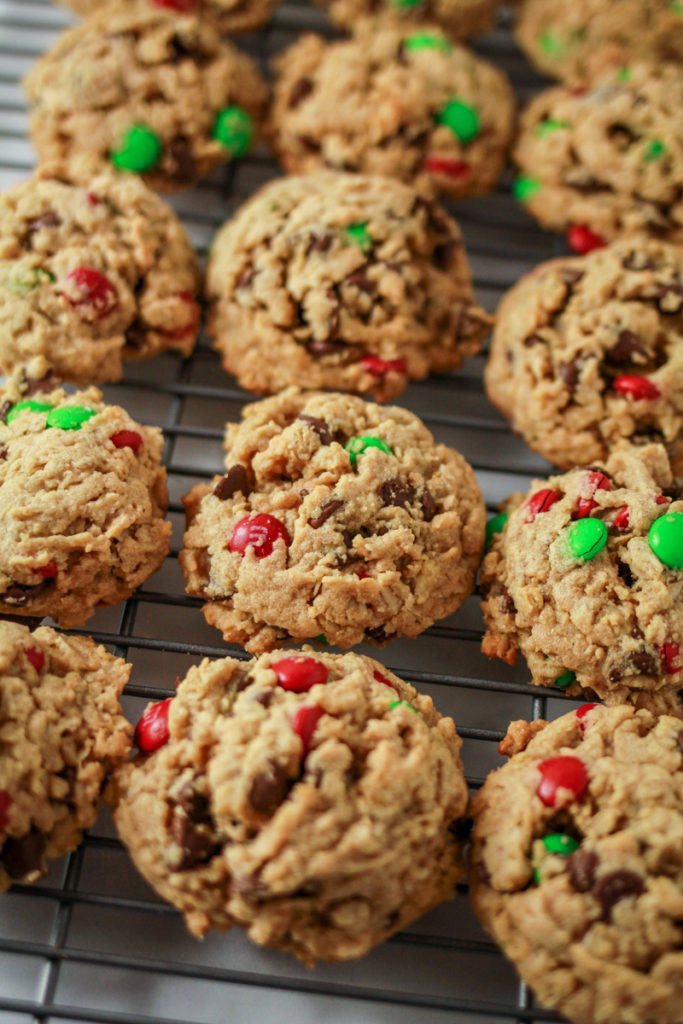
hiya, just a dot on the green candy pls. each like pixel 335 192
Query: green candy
pixel 495 526
pixel 403 704
pixel 234 129
pixel 36 276
pixel 566 679
pixel 405 5
pixel 587 538
pixel 320 639
pixel 654 150
pixel 536 876
pixel 624 75
pixel 426 41
pixel 20 407
pixel 554 46
pixel 69 417
pixel 359 235
pixel 666 539
pixel 355 446
pixel 139 151
pixel 676 7
pixel 462 119
pixel 549 126
pixel 525 187
pixel 557 842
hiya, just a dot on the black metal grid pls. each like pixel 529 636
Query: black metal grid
pixel 73 945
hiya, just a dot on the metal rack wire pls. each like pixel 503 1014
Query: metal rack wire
pixel 91 942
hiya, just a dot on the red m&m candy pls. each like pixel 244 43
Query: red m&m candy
pixel 152 730
pixel 36 657
pixel 621 519
pixel 299 674
pixel 636 387
pixel 539 502
pixel 5 804
pixel 191 325
pixel 94 293
pixel 668 652
pixel 583 240
pixel 456 169
pixel 127 439
pixel 304 721
pixel 383 679
pixel 258 532
pixel 381 367
pixel 49 570
pixel 563 772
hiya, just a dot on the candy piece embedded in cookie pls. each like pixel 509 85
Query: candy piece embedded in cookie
pixel 401 102
pixel 585 579
pixel 228 16
pixel 311 798
pixel 94 268
pixel 155 92
pixel 82 500
pixel 335 517
pixel 344 282
pixel 607 160
pixel 577 863
pixel 589 350
pixel 458 18
pixel 62 733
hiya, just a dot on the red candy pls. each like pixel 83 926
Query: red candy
pixel 599 482
pixel 662 499
pixel 191 325
pixel 380 367
pixel 5 804
pixel 177 5
pixel 668 652
pixel 304 721
pixel 583 240
pixel 258 532
pixel 383 679
pixel 451 168
pixel 541 501
pixel 637 388
pixel 621 518
pixel 152 730
pixel 49 570
pixel 127 439
pixel 299 674
pixel 36 657
pixel 584 709
pixel 93 200
pixel 362 572
pixel 95 291
pixel 561 773
pixel 584 508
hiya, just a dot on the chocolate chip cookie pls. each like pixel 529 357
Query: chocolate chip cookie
pixel 607 160
pixel 458 18
pixel 589 349
pixel 576 39
pixel 341 281
pixel 94 268
pixel 577 863
pixel 311 798
pixel 585 578
pixel 402 102
pixel 82 500
pixel 61 733
pixel 228 16
pixel 335 517
pixel 155 92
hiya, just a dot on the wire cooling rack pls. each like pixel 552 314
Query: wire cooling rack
pixel 91 942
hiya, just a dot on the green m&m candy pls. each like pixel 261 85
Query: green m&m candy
pixel 139 151
pixel 426 41
pixel 234 129
pixel 654 151
pixel 554 45
pixel 403 704
pixel 462 119
pixel 587 538
pixel 624 74
pixel 20 407
pixel 22 286
pixel 355 446
pixel 69 417
pixel 666 539
pixel 405 5
pixel 549 126
pixel 566 679
pixel 495 526
pixel 558 842
pixel 525 187
pixel 359 235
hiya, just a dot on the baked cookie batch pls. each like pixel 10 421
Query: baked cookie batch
pixel 260 788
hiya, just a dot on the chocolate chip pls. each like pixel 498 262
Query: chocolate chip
pixel 669 299
pixel 179 48
pixel 327 510
pixel 361 281
pixel 320 243
pixel 621 135
pixel 614 887
pixel 324 346
pixel 506 603
pixel 627 346
pixel 347 536
pixel 615 675
pixel 534 339
pixel 635 261
pixel 302 88
pixel 582 866
pixel 569 372
pixel 136 335
pixel 637 633
pixel 378 634
pixel 46 220
pixel 33 387
pixel 247 885
pixel 396 492
pixel 269 789
pixel 625 573
pixel 245 278
pixel 428 506
pixel 24 855
pixel 236 479
pixel 307 890
pixel 263 697
pixel 184 164
pixel 482 872
pixel 570 277
pixel 442 255
pixel 308 143
pixel 197 842
pixel 19 594
pixel 3 452
pixel 644 663
pixel 4 409
pixel 319 427
pixel 195 804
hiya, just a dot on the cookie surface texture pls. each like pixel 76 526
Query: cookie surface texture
pixel 458 18
pixel 94 268
pixel 589 349
pixel 62 733
pixel 578 581
pixel 607 160
pixel 344 282
pixel 404 103
pixel 228 16
pixel 82 500
pixel 276 783
pixel 577 865
pixel 154 93
pixel 335 517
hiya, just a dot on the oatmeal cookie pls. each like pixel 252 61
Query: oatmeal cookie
pixel 458 18
pixel 229 16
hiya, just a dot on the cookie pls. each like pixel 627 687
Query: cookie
pixel 458 18
pixel 400 102
pixel 589 349
pixel 577 863
pixel 82 500
pixel 311 798
pixel 155 92
pixel 576 40
pixel 585 578
pixel 341 281
pixel 228 16
pixel 61 733
pixel 335 517
pixel 608 160
pixel 94 269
